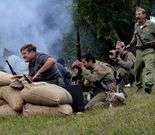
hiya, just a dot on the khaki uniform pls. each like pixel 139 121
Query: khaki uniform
pixel 126 66
pixel 145 57
pixel 100 73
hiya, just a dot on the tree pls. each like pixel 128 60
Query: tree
pixel 103 22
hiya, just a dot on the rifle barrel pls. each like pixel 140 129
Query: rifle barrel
pixel 12 71
pixel 78 45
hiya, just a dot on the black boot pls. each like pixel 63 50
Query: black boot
pixel 148 87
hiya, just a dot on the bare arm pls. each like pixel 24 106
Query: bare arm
pixel 48 64
pixel 133 41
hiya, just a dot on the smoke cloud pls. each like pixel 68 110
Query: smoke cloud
pixel 41 22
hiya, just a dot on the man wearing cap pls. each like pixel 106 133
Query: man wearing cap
pixel 144 38
pixel 125 62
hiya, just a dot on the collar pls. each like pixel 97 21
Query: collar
pixel 145 24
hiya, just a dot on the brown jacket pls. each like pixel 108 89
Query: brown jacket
pixel 100 73
pixel 126 60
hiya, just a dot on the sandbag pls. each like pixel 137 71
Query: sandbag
pixel 5 78
pixel 2 102
pixel 1 92
pixel 6 110
pixel 12 97
pixel 17 84
pixel 46 94
pixel 61 110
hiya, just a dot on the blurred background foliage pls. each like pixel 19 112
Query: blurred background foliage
pixel 101 23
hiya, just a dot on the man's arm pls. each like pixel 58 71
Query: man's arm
pixel 48 64
pixel 134 38
pixel 127 64
pixel 132 42
pixel 97 74
pixel 152 27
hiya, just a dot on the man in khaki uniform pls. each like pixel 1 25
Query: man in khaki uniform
pixel 100 76
pixel 125 62
pixel 144 36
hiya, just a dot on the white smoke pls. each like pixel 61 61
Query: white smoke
pixel 41 22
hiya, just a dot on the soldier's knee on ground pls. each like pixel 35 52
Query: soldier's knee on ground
pixel 100 97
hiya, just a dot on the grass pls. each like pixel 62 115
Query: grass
pixel 136 118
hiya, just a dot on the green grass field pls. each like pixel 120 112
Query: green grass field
pixel 136 118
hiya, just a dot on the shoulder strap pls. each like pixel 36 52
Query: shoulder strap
pixel 140 38
pixel 123 57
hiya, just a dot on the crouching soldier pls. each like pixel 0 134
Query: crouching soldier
pixel 100 77
pixel 124 61
pixel 41 66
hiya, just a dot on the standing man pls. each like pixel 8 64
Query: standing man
pixel 100 76
pixel 144 36
pixel 125 62
pixel 41 66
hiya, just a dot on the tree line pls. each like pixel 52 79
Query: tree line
pixel 102 23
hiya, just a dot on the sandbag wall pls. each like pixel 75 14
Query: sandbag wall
pixel 38 98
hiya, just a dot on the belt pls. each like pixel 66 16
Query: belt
pixel 150 45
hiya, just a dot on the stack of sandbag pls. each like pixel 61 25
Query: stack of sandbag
pixel 60 110
pixel 5 79
pixel 2 101
pixel 10 99
pixel 46 99
pixel 39 98
pixel 6 110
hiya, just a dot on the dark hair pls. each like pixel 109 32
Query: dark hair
pixel 29 47
pixel 88 57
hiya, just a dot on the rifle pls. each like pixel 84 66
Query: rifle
pixel 78 47
pixel 78 77
pixel 12 71
pixel 27 79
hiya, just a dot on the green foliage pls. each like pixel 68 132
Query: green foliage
pixel 103 22
pixel 136 118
